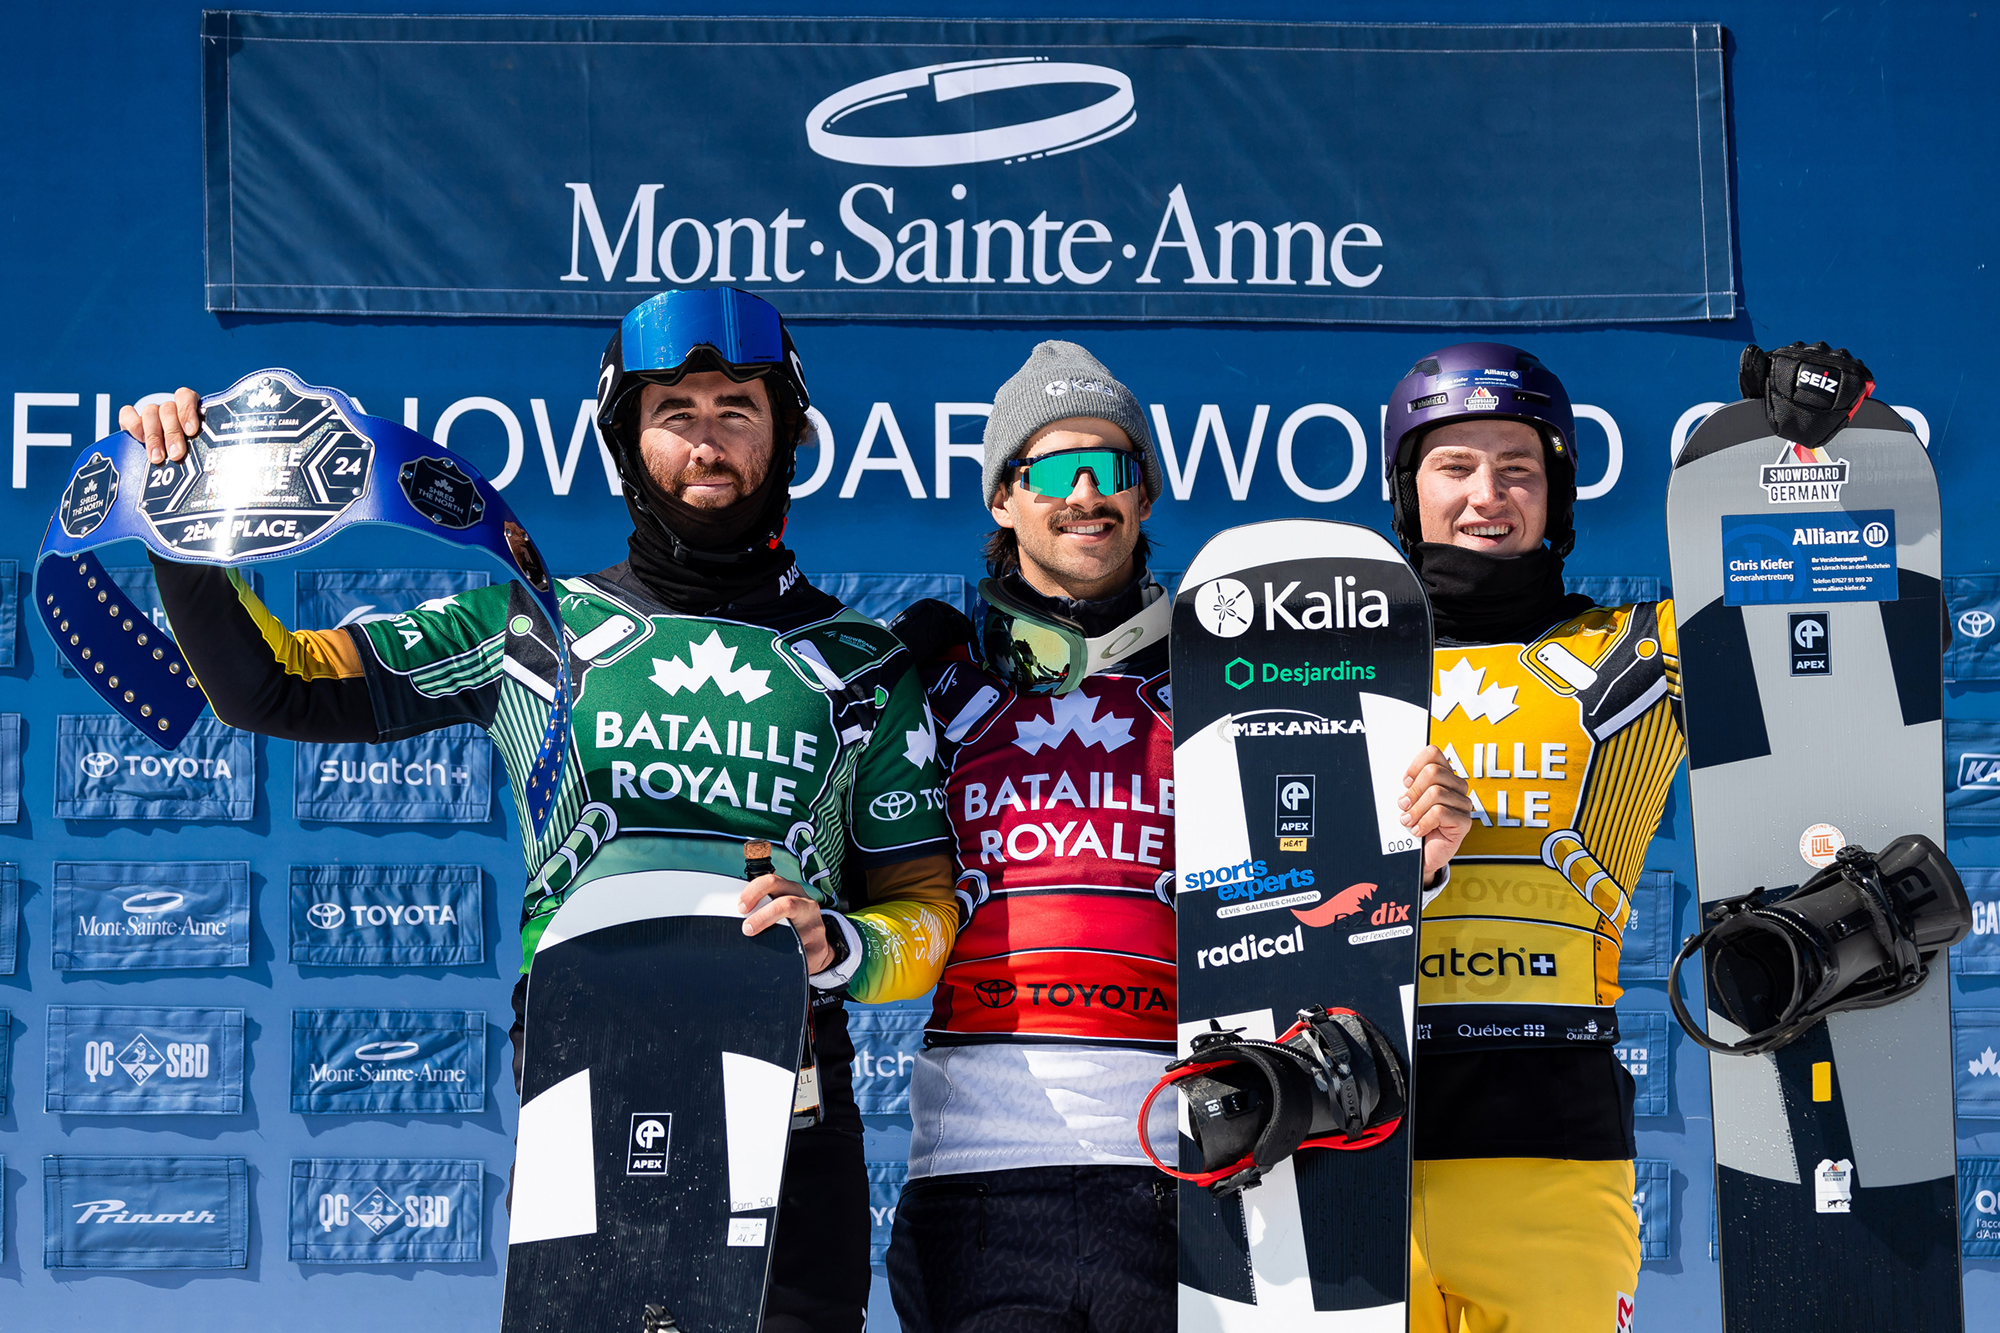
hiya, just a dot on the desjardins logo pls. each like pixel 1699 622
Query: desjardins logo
pixel 1242 673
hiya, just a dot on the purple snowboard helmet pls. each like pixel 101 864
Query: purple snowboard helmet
pixel 1470 380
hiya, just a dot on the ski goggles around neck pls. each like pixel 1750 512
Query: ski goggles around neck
pixel 1039 652
pixel 1055 474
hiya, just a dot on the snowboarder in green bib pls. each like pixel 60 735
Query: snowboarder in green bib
pixel 719 697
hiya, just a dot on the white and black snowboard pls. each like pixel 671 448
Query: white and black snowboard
pixel 1806 583
pixel 1301 674
pixel 656 1101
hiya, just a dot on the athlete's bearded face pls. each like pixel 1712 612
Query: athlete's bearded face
pixel 1077 545
pixel 706 441
pixel 1484 485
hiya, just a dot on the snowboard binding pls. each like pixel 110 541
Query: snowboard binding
pixel 1860 934
pixel 1332 1080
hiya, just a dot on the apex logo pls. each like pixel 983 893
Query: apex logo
pixel 711 660
pixel 1073 714
pixel 1459 688
pixel 646 1143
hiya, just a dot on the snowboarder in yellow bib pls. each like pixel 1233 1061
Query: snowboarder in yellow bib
pixel 1563 716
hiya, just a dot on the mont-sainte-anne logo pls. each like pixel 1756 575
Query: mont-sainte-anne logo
pixel 152 902
pixel 1225 607
pixel 1975 624
pixel 386 1050
pixel 1073 714
pixel 1460 688
pixel 711 661
pixel 901 107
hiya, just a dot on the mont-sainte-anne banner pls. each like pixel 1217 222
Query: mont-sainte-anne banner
pixel 565 168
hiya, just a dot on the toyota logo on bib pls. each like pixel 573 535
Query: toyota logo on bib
pixel 152 902
pixel 892 805
pixel 98 764
pixel 327 916
pixel 385 1050
pixel 1975 624
pixel 1224 607
pixel 901 96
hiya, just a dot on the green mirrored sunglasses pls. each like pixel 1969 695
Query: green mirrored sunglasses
pixel 1055 474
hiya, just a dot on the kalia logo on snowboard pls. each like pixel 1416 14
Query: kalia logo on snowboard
pixel 1226 607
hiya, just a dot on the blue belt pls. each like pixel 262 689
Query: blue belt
pixel 280 466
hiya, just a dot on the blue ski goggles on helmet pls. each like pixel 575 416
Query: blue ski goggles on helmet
pixel 1055 474
pixel 279 467
pixel 659 336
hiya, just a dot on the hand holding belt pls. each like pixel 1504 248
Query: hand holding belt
pixel 280 466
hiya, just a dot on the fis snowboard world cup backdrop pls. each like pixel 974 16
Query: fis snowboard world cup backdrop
pixel 253 994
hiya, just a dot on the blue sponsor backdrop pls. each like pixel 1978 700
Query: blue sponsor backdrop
pixel 333 597
pixel 442 777
pixel 6 1061
pixel 1653 1201
pixel 1976 1054
pixel 140 1060
pixel 106 252
pixel 564 129
pixel 10 917
pixel 1979 1206
pixel 112 916
pixel 1973 601
pixel 1979 952
pixel 380 1210
pixel 106 770
pixel 10 768
pixel 1642 1049
pixel 1971 773
pixel 369 1061
pixel 145 1212
pixel 886 1043
pixel 387 916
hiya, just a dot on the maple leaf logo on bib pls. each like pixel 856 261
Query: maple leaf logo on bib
pixel 1459 688
pixel 711 660
pixel 1073 714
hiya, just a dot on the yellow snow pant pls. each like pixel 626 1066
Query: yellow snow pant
pixel 1522 1245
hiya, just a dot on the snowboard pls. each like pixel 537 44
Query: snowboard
pixel 1807 590
pixel 1301 658
pixel 662 1055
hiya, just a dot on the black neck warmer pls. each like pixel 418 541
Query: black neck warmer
pixel 694 560
pixel 1478 598
pixel 1094 618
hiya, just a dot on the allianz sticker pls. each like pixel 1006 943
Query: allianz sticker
pixel 1833 1186
pixel 1820 844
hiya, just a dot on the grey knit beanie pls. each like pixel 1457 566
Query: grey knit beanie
pixel 1062 380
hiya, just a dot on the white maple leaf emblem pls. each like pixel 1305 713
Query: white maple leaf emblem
pixel 1987 1063
pixel 920 746
pixel 1073 715
pixel 711 660
pixel 1459 688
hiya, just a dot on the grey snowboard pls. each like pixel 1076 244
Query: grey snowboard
pixel 1807 591
pixel 1302 686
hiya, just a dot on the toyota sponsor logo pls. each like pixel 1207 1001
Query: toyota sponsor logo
pixel 152 902
pixel 1975 624
pixel 98 764
pixel 326 916
pixel 405 916
pixel 386 1050
pixel 994 992
pixel 905 95
pixel 891 805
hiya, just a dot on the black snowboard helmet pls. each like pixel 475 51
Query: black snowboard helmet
pixel 1464 382
pixel 679 333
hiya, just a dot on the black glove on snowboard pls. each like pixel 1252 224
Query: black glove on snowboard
pixel 1809 393
pixel 930 628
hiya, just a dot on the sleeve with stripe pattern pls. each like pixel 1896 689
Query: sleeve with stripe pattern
pixel 906 929
pixel 303 685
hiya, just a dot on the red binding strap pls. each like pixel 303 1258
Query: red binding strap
pixel 1202 1178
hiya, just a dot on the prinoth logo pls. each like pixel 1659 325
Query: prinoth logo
pixel 112 1212
pixel 382 1061
pixel 1802 476
pixel 1073 714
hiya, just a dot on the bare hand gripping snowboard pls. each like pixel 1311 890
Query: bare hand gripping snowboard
pixel 1807 587
pixel 656 1101
pixel 1302 667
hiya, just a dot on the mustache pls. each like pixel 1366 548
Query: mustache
pixel 699 476
pixel 1071 514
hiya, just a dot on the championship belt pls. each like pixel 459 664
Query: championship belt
pixel 280 466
